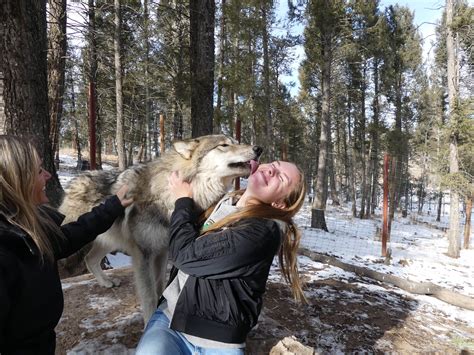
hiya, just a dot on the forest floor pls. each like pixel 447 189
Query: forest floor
pixel 344 314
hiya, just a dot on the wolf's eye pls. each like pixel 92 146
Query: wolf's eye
pixel 224 145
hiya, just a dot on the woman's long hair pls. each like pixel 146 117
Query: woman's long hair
pixel 287 254
pixel 19 164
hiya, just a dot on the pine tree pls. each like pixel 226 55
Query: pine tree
pixel 325 24
pixel 23 63
pixel 202 19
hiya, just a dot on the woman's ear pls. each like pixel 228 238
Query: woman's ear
pixel 280 204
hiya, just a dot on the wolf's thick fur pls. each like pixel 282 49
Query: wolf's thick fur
pixel 210 162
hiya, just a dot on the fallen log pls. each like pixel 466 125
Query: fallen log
pixel 419 288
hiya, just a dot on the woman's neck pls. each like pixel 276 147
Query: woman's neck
pixel 245 200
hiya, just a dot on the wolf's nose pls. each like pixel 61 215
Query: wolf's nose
pixel 258 150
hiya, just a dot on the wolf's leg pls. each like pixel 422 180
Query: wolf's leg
pixel 159 270
pixel 144 282
pixel 100 249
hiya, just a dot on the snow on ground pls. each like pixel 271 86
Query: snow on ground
pixel 418 248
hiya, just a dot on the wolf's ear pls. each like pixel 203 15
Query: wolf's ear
pixel 186 148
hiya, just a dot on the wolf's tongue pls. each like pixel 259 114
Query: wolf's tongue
pixel 253 166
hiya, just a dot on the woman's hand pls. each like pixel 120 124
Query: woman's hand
pixel 178 187
pixel 121 194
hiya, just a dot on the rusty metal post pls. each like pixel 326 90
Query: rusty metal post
pixel 162 134
pixel 238 131
pixel 386 162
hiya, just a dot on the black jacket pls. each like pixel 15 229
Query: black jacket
pixel 31 298
pixel 228 269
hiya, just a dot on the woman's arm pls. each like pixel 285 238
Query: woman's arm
pixel 91 224
pixel 221 254
pixel 88 226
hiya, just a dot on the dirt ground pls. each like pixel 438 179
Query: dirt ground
pixel 340 317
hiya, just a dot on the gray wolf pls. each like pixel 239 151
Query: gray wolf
pixel 210 162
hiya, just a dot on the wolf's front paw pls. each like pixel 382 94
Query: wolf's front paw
pixel 110 282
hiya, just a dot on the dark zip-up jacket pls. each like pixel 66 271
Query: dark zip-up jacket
pixel 31 297
pixel 228 270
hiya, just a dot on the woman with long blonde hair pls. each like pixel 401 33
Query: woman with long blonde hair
pixel 220 268
pixel 31 241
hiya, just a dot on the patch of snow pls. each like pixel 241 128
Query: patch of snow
pixel 119 260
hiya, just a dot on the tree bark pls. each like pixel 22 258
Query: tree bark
pixel 375 139
pixel 266 83
pixel 440 205
pixel 179 88
pixel 321 186
pixel 23 62
pixel 92 97
pixel 122 158
pixel 220 69
pixel 467 225
pixel 332 173
pixel 351 162
pixel 202 18
pixel 392 192
pixel 146 140
pixel 73 113
pixel 363 154
pixel 453 92
pixel 57 46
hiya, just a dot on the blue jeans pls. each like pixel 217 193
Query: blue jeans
pixel 159 339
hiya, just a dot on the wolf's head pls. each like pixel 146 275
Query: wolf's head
pixel 218 156
pixel 212 162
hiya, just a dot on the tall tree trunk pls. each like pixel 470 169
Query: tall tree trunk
pixel 351 160
pixel 179 81
pixel 92 97
pixel 177 117
pixel 122 158
pixel 220 68
pixel 347 161
pixel 440 205
pixel 338 157
pixel 332 172
pixel 146 140
pixel 363 154
pixel 56 67
pixel 77 141
pixel 321 186
pixel 266 83
pixel 368 194
pixel 2 105
pixel 372 175
pixel 438 148
pixel 202 18
pixel 392 191
pixel 98 139
pixel 407 189
pixel 420 197
pixel 375 138
pixel 453 93
pixel 467 225
pixel 23 53
pixel 396 163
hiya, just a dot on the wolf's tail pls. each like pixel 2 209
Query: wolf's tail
pixel 86 191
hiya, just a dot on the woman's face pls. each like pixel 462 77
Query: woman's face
pixel 39 189
pixel 272 182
